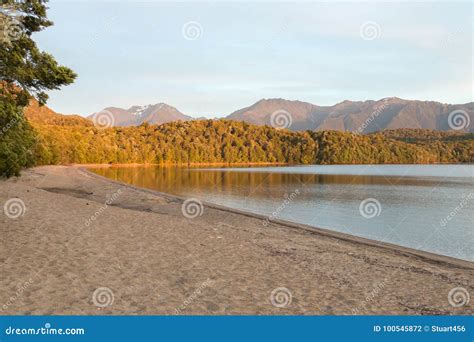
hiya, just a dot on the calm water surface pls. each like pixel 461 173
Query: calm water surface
pixel 427 207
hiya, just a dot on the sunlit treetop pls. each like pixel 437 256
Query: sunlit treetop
pixel 26 71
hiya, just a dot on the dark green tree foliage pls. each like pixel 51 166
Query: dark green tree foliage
pixel 16 139
pixel 25 72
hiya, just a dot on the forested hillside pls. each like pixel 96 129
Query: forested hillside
pixel 225 141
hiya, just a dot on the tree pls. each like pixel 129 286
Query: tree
pixel 25 73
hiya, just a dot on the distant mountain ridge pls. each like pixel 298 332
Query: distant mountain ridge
pixel 360 116
pixel 353 116
pixel 136 115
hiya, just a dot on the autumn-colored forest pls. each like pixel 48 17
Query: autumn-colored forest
pixel 224 141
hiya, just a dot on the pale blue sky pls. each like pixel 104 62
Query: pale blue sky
pixel 134 52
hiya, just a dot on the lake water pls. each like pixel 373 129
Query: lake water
pixel 426 207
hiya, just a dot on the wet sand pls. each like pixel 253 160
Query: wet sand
pixel 82 244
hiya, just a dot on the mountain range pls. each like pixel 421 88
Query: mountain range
pixel 136 115
pixel 359 116
pixel 354 116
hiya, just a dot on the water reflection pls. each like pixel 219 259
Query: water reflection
pixel 176 179
pixel 412 208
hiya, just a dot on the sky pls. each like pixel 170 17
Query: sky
pixel 212 58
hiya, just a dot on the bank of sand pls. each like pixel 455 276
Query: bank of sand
pixel 153 260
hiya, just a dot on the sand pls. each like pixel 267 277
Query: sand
pixel 71 252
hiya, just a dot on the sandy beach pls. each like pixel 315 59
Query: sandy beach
pixel 76 243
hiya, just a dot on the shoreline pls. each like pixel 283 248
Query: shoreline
pixel 79 232
pixel 429 256
pixel 131 165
